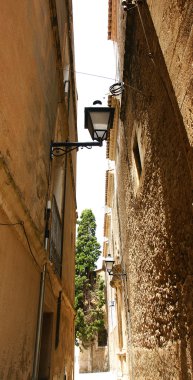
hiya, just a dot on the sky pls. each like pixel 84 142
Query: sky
pixel 94 54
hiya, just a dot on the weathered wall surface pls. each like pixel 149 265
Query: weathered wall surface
pixel 174 20
pixel 65 350
pixel 69 237
pixel 28 99
pixel 19 284
pixel 36 42
pixel 155 201
pixel 94 359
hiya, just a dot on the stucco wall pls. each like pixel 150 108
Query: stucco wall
pixel 28 98
pixel 64 357
pixel 19 284
pixel 33 45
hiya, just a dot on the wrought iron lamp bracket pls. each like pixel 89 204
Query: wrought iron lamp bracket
pixel 58 149
pixel 111 273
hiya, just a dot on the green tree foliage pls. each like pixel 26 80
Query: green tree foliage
pixel 89 289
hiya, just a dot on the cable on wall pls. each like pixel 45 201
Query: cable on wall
pixel 26 236
pixel 51 284
pixel 118 88
pixel 94 75
pixel 115 89
pixel 145 35
pixel 162 79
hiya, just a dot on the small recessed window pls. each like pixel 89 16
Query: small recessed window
pixel 102 338
pixel 137 157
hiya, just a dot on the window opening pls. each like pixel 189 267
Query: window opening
pixel 102 338
pixel 137 157
pixel 56 238
pixel 46 347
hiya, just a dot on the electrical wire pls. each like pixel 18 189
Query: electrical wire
pixel 113 86
pixel 118 88
pixel 145 34
pixel 29 246
pixel 51 285
pixel 25 234
pixel 92 75
pixel 150 54
pixel 10 224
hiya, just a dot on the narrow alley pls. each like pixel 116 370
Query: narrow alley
pixel 96 245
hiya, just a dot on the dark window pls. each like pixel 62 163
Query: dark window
pixel 56 238
pixel 137 157
pixel 102 338
pixel 46 347
pixel 57 337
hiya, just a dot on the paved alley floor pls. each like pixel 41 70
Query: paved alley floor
pixel 94 376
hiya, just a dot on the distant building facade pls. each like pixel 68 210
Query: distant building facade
pixel 96 357
pixel 117 297
pixel 37 191
pixel 148 225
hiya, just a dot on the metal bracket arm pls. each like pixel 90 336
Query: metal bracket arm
pixel 117 274
pixel 62 148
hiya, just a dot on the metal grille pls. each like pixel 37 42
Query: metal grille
pixel 56 238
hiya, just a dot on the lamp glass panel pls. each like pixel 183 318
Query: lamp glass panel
pixel 109 265
pixel 99 134
pixel 100 120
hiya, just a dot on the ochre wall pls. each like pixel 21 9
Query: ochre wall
pixel 34 49
pixel 19 292
pixel 28 99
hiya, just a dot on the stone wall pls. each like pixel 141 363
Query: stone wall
pixel 154 190
pixel 174 20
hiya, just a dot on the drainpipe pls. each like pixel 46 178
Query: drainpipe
pixel 63 210
pixel 39 325
pixel 41 300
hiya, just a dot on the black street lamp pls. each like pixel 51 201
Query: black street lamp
pixel 98 120
pixel 109 263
